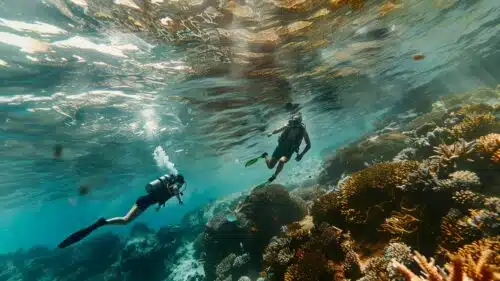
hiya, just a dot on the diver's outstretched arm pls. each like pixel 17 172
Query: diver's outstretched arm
pixel 279 130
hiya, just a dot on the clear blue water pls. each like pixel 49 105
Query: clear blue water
pixel 110 95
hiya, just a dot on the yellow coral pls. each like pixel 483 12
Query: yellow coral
pixel 475 125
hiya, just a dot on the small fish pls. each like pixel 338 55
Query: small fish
pixel 83 189
pixel 418 57
pixel 253 229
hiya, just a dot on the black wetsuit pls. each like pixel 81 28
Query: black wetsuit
pixel 288 143
pixel 161 196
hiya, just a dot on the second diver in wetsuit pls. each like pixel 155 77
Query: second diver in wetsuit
pixel 159 192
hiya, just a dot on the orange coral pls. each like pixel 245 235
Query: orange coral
pixel 483 272
pixel 472 252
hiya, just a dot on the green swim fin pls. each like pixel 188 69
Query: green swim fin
pixel 252 161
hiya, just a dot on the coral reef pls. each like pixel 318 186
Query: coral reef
pixel 304 253
pixel 439 195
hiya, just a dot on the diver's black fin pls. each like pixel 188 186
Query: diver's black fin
pixel 80 234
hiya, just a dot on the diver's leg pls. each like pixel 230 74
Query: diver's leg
pixel 274 158
pixel 130 216
pixel 281 163
pixel 270 162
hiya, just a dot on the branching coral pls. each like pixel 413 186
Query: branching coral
pixel 475 125
pixel 474 251
pixel 482 272
pixel 448 155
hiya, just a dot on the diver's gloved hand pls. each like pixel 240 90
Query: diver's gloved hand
pixel 299 157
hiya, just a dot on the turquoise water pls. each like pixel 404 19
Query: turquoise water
pixel 110 93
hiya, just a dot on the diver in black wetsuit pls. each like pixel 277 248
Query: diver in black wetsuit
pixel 289 142
pixel 159 191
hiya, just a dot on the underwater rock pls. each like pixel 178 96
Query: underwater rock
pixel 258 218
pixel 220 239
pixel 142 257
pixel 354 157
pixel 244 278
pixel 267 209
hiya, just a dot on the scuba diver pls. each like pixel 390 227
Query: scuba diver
pixel 289 142
pixel 159 191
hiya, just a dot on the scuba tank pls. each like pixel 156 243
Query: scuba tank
pixel 158 184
